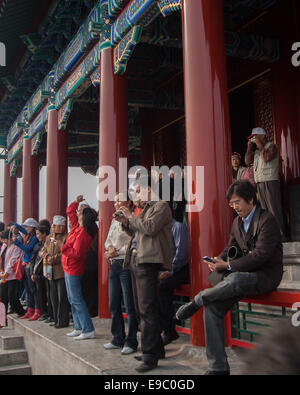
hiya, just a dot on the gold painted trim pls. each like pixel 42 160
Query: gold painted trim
pixel 168 124
pixel 249 81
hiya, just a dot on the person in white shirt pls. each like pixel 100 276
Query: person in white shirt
pixel 120 284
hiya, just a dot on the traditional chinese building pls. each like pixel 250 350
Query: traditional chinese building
pixel 165 82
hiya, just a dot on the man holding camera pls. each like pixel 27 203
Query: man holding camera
pixel 257 269
pixel 264 156
pixel 150 252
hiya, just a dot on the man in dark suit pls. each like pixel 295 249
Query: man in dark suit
pixel 257 269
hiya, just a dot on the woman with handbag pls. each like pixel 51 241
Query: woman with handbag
pixel 9 283
pixel 28 234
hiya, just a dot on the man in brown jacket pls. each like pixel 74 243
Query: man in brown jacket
pixel 52 253
pixel 149 252
pixel 256 269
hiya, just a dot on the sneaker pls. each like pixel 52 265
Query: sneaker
pixel 87 335
pixel 187 310
pixel 127 350
pixel 110 346
pixel 76 332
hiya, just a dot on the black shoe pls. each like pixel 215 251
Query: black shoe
pixel 168 338
pixel 187 310
pixel 140 357
pixel 146 367
pixel 43 318
pixel 217 373
pixel 48 320
pixel 60 326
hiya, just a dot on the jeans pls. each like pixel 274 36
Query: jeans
pixel 217 301
pixel 31 291
pixel 120 285
pixel 81 318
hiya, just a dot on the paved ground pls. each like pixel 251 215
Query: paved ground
pixel 181 357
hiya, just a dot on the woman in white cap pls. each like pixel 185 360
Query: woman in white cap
pixel 29 241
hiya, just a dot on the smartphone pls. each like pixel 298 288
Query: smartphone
pixel 119 214
pixel 208 259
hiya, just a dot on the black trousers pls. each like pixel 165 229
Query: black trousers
pixel 43 295
pixel 89 282
pixel 59 301
pixel 10 294
pixel 145 292
pixel 166 295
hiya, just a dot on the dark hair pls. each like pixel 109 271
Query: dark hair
pixel 5 234
pixel 243 189
pixel 31 234
pixel 89 218
pixel 43 229
pixel 2 226
pixel 46 223
pixel 278 352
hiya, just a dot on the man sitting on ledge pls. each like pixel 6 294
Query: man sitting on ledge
pixel 250 264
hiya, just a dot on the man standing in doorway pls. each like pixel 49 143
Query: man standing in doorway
pixel 264 156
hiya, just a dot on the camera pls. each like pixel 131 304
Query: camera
pixel 236 252
pixel 119 214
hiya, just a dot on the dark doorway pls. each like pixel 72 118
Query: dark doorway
pixel 241 106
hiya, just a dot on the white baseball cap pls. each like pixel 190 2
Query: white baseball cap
pixel 257 131
pixel 59 220
pixel 31 223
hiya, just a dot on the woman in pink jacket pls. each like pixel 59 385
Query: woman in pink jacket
pixel 10 286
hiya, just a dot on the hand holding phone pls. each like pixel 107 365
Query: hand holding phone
pixel 208 259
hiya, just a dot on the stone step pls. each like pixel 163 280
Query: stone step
pixel 12 342
pixel 13 357
pixel 16 370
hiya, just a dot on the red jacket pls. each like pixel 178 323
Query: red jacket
pixel 76 245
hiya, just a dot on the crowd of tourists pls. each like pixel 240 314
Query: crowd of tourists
pixel 147 250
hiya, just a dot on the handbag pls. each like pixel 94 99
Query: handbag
pixel 18 268
pixel 47 270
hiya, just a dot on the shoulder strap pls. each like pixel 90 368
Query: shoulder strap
pixel 255 220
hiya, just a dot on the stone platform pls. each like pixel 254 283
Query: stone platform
pixel 51 352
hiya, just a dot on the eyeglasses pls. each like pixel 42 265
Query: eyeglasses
pixel 235 203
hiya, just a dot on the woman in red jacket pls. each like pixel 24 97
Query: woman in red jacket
pixel 74 250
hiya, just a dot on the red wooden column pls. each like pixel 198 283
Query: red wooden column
pixel 57 168
pixel 113 144
pixel 10 197
pixel 207 137
pixel 30 188
pixel 286 96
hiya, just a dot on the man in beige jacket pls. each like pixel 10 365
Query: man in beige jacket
pixel 149 252
pixel 265 158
